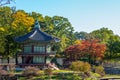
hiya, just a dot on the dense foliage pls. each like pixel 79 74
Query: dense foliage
pixel 87 48
pixel 105 36
pixel 99 70
pixel 14 23
pixel 80 66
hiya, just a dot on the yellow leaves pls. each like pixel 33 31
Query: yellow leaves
pixel 2 29
pixel 29 21
pixel 22 20
pixel 51 27
pixel 18 15
pixel 14 25
pixel 77 42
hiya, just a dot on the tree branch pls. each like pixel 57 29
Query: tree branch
pixel 5 2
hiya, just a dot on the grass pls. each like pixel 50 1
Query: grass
pixel 58 71
pixel 20 72
pixel 62 71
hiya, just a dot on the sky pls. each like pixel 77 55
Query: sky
pixel 84 15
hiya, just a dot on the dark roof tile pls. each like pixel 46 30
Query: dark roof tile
pixel 36 35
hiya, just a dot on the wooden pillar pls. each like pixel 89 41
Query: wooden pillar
pixel 22 59
pixel 16 59
pixel 32 53
pixel 23 48
pixel 45 53
pixel 22 53
pixel 32 48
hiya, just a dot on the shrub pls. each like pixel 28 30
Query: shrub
pixel 97 75
pixel 76 77
pixel 80 66
pixel 48 72
pixel 100 70
pixel 68 76
pixel 91 79
pixel 11 67
pixel 87 74
pixel 11 74
pixel 30 72
pixel 2 71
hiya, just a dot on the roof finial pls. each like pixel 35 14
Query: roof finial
pixel 37 25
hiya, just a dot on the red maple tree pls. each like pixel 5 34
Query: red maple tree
pixel 93 48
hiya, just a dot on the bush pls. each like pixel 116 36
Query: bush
pixel 11 67
pixel 76 77
pixel 2 71
pixel 97 75
pixel 30 72
pixel 68 76
pixel 87 74
pixel 80 66
pixel 91 79
pixel 100 70
pixel 48 72
pixel 11 74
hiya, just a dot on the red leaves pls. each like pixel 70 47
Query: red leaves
pixel 87 47
pixel 95 49
pixel 73 52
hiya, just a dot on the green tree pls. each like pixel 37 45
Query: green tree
pixel 7 45
pixel 9 20
pixel 37 16
pixel 49 25
pixel 5 25
pixel 6 16
pixel 102 34
pixel 59 27
pixel 81 35
pixel 14 23
pixel 113 47
pixel 63 30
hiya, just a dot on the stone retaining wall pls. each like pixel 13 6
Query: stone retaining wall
pixel 110 70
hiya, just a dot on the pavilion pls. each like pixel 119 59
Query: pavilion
pixel 35 48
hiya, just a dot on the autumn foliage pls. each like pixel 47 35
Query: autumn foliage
pixel 21 19
pixel 87 47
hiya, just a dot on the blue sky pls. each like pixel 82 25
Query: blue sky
pixel 84 15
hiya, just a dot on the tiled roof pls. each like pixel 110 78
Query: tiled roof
pixel 36 35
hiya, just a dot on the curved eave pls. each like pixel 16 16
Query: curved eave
pixel 36 35
pixel 56 39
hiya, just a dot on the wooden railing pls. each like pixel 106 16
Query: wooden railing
pixel 36 53
pixel 51 52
